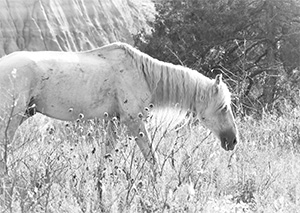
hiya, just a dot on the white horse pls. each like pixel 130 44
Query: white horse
pixel 115 80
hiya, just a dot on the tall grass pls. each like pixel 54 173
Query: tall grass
pixel 62 167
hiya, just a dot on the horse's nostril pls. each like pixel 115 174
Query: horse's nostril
pixel 234 142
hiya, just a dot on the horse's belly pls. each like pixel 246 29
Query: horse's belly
pixel 72 112
pixel 71 107
pixel 66 97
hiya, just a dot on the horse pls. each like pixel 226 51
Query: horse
pixel 113 81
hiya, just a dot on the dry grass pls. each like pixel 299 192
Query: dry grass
pixel 59 168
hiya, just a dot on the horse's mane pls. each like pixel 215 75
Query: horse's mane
pixel 173 85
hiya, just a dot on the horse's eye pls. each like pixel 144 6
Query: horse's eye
pixel 225 108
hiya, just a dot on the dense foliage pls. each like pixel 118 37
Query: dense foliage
pixel 254 43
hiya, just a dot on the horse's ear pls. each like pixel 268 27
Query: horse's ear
pixel 218 79
pixel 217 83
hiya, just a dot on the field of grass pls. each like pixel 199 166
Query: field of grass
pixel 59 167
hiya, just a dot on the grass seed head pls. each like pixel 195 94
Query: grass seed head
pixel 81 116
pixel 140 115
pixel 141 134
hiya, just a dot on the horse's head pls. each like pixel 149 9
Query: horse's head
pixel 216 114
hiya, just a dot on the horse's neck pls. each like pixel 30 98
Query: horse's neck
pixel 171 86
pixel 178 88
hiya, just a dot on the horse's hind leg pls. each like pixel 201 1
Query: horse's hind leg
pixel 11 115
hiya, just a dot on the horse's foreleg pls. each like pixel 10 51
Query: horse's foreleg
pixel 136 128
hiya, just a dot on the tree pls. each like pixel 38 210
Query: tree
pixel 254 43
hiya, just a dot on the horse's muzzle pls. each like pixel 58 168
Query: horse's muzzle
pixel 228 140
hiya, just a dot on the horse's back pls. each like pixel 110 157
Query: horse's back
pixel 89 82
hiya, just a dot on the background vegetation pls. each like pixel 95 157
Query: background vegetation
pixel 254 43
pixel 59 166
